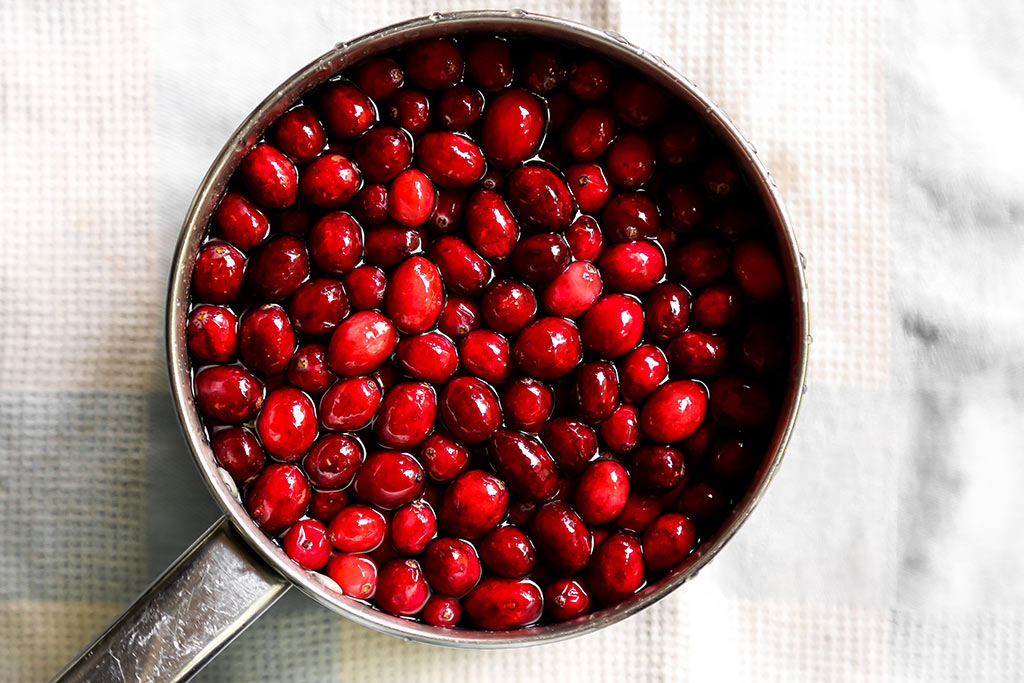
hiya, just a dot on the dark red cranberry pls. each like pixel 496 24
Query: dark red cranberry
pixel 503 604
pixel 443 457
pixel 617 570
pixel 630 216
pixel 561 537
pixel 451 566
pixel 508 306
pixel 656 468
pixel 356 575
pixel 595 390
pixel 389 244
pixel 324 505
pixel 485 354
pixel 571 443
pixel 630 160
pixel 733 460
pixel 473 504
pixel 402 589
pixel 489 63
pixel 346 111
pixel 451 160
pixel 295 220
pixel 574 291
pixel 683 207
pixel 679 142
pixel 740 405
pixel 640 510
pixel 237 450
pixel 703 503
pixel 668 540
pixel 763 347
pixel 642 371
pixel 524 464
pixel 411 198
pixel 589 185
pixel 699 263
pixel 520 512
pixel 540 258
pixel 370 205
pixel 240 222
pixel 382 153
pixel 632 267
pixel 318 305
pixel 718 306
pixel 528 404
pixel 548 348
pixel 299 135
pixel 698 354
pixel 696 448
pixel 674 411
pixel 409 109
pixel 667 311
pixel 512 128
pixel 590 79
pixel 459 108
pixel 336 242
pixel 470 409
pixel 442 611
pixel 459 317
pixel 589 134
pixel 278 268
pixel 414 296
pixel 621 430
pixel 757 270
pixel 566 599
pixel 585 238
pixel 330 181
pixel 361 343
pixel 218 273
pixel 734 222
pixel 379 77
pixel 462 269
pixel 278 498
pixel 490 226
pixel 434 64
pixel 543 70
pixel 601 492
pixel 333 461
pixel 507 551
pixel 269 177
pixel 613 326
pixel 266 340
pixel 429 357
pixel 406 416
pixel 448 211
pixel 228 393
pixel 306 543
pixel 287 423
pixel 389 479
pixel 212 333
pixel 350 404
pixel 412 528
pixel 540 198
pixel 719 177
pixel 638 102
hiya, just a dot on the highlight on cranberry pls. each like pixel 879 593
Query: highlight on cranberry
pixel 489 331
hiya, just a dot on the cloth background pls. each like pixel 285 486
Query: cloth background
pixel 888 548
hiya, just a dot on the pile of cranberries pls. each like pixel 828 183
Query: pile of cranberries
pixel 489 331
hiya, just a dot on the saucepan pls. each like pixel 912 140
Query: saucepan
pixel 234 572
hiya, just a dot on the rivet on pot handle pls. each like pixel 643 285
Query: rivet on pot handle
pixel 194 609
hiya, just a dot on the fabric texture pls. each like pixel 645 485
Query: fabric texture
pixel 887 548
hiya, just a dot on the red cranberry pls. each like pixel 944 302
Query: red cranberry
pixel 411 198
pixel 507 551
pixel 356 575
pixel 674 411
pixel 409 109
pixel 740 405
pixel 508 306
pixel 212 333
pixel 698 354
pixel 543 70
pixel 630 160
pixel 459 317
pixel 525 465
pixel 561 537
pixel 489 63
pixel 389 479
pixel 379 77
pixel 382 153
pixel 228 393
pixel 269 177
pixel 443 457
pixel 434 64
pixel 266 340
pixel 617 570
pixel 429 357
pixel 218 273
pixel 318 305
pixel 336 242
pixel 696 447
pixel 361 343
pixel 308 369
pixel 596 391
pixel 485 355
pixel 683 207
pixel 402 589
pixel 703 503
pixel 528 404
pixel 718 306
pixel 574 291
pixel 278 268
pixel 630 216
pixel 240 222
pixel 370 205
pixel 490 225
pixel 470 409
pixel 350 404
pixel 347 112
pixel 589 185
pixel 333 461
pixel 473 504
pixel 520 512
pixel 763 347
pixel 462 269
pixel 299 135
pixel 294 220
pixel 668 540
pixel 632 267
pixel 621 430
pixel 278 497
pixel 324 505
pixel 734 222
pixel 442 611
pixel 585 238
pixel 758 271
pixel 448 211
pixel 540 258
pixel 512 128
pixel 504 604
pixel 287 423
pixel 451 160
pixel 306 543
pixel 719 177
pixel 330 181
pixel 589 134
pixel 590 79
pixel 667 311
pixel 412 528
pixel 642 371
pixel 390 244
pixel 460 107
pixel 406 415
pixel 601 492
pixel 414 295
pixel 733 460
pixel 656 468
pixel 679 142
pixel 638 102
pixel 571 443
pixel 237 450
pixel 566 599
pixel 548 348
pixel 539 197
pixel 699 263
pixel 613 326
pixel 451 566
pixel 640 510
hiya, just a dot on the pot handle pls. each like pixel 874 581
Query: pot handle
pixel 196 607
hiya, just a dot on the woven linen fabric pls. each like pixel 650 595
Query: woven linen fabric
pixel 888 547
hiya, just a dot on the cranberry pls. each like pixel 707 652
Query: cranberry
pixel 442 611
pixel 414 295
pixel 382 153
pixel 361 343
pixel 278 268
pixel 448 211
pixel 470 409
pixel 601 492
pixel 639 102
pixel 346 111
pixel 489 63
pixel 596 391
pixel 539 197
pixel 269 177
pixel 411 198
pixel 540 258
pixel 528 404
pixel 228 393
pixel 630 160
pixel 429 357
pixel 212 333
pixel 674 411
pixel 590 79
pixel 490 225
pixel 336 242
pixel 390 244
pixel 733 460
pixel 350 404
pixel 613 326
pixel 525 465
pixel 679 142
pixel 699 263
pixel 632 267
pixel 574 291
pixel 507 551
pixel 406 415
pixel 330 181
pixel 308 369
pixel 278 497
pixel 443 457
pixel 763 347
pixel 306 543
pixel 718 306
pixel 333 461
pixel 696 447
pixel 451 566
pixel 703 503
pixel 589 185
pixel 238 221
pixel 630 216
pixel 299 135
pixel 237 450
pixel 620 431
pixel 318 305
pixel 585 238
pixel 324 505
pixel 719 177
pixel 266 340
pixel 758 271
pixel 370 205
pixel 656 468
pixel 642 371
pixel 412 528
pixel 589 134
pixel 520 512
pixel 684 207
pixel 409 109
pixel 460 107
pixel 543 70
pixel 449 159
pixel 462 269
pixel 512 128
pixel 640 510
pixel 389 479
pixel 617 570
pixel 734 222
pixel 571 443
pixel 548 348
pixel 459 317
pixel 561 537
pixel 566 599
pixel 668 540
pixel 356 575
pixel 485 355
pixel 218 273
pixel 294 220
pixel 473 504
pixel 740 405
pixel 698 354
pixel 508 306
pixel 402 589
pixel 287 423
pixel 434 64
pixel 379 77
pixel 667 311
pixel 498 604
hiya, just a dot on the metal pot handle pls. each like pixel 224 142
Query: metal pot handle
pixel 196 607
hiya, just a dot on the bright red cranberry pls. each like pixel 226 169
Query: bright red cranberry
pixel 330 181
pixel 656 468
pixel 443 457
pixel 299 135
pixel 361 343
pixel 449 159
pixel 287 423
pixel 548 348
pixel 414 295
pixel 459 108
pixel 412 528
pixel 228 393
pixel 613 326
pixel 589 185
pixel 512 128
pixel 589 79
pixel 698 354
pixel 266 340
pixel 703 503
pixel 508 306
pixel 630 216
pixel 434 64
pixel 571 443
pixel 528 404
pixel 503 604
pixel 336 242
pixel 278 498
pixel 566 599
pixel 758 271
pixel 679 142
pixel 621 430
pixel 356 575
pixel 640 510
pixel 278 268
pixel 674 411
pixel 683 207
pixel 719 177
pixel 595 390
pixel 379 77
pixel 402 589
pixel 350 404
pixel 740 405
pixel 632 267
pixel 324 505
pixel 574 291
pixel 667 311
pixel 333 461
pixel 382 153
pixel 451 566
pixel 473 504
pixel 459 317
pixel 306 543
pixel 489 63
pixel 240 222
pixel 470 409
pixel 524 464
pixel 540 197
pixel 411 198
pixel 699 263
pixel 463 270
pixel 639 103
pixel 630 160
pixel 507 551
pixel 317 306
pixel 429 357
pixel 485 354
pixel 561 537
pixel 269 177
pixel 617 570
pixel 718 306
pixel 409 109
pixel 668 540
pixel 212 333
pixel 442 611
pixel 601 492
pixel 346 111
pixel 589 134
pixel 448 211
pixel 763 347
pixel 370 205
pixel 218 273
pixel 490 226
pixel 406 415
pixel 540 258
pixel 390 244
pixel 389 479
pixel 237 450
pixel 585 238
pixel 642 371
